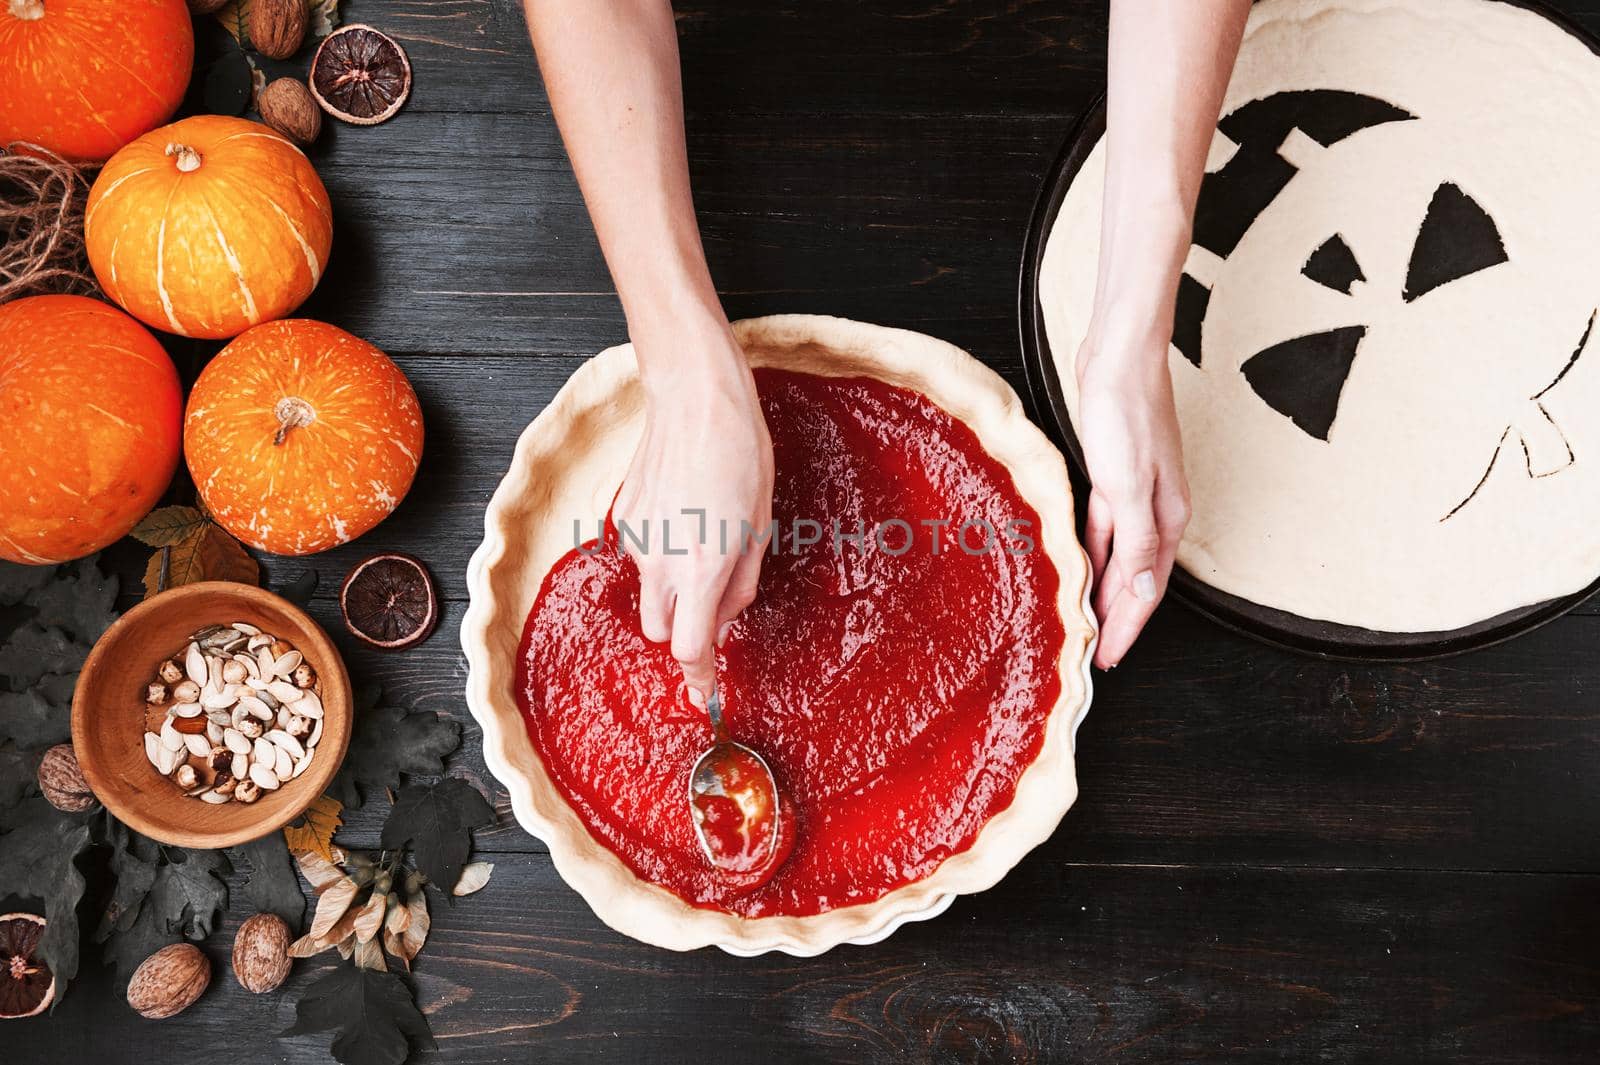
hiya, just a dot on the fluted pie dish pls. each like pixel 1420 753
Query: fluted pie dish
pixel 916 686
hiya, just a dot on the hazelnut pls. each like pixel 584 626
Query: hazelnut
pixel 250 728
pixel 156 693
pixel 298 727
pixel 185 776
pixel 225 783
pixel 171 672
pixel 62 780
pixel 233 672
pixel 169 981
pixel 261 953
pixel 278 27
pixel 187 692
pixel 279 648
pixel 247 791
pixel 304 676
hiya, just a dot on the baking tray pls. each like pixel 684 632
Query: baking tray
pixel 1277 627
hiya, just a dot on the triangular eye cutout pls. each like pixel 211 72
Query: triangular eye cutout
pixel 1334 265
pixel 1457 238
pixel 1302 378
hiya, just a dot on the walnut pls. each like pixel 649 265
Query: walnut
pixel 261 953
pixel 169 981
pixel 286 105
pixel 278 27
pixel 62 781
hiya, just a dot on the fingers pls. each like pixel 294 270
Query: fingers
pixel 694 627
pixel 1097 539
pixel 740 592
pixel 1146 531
pixel 655 607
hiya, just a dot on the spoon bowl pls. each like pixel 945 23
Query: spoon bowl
pixel 734 804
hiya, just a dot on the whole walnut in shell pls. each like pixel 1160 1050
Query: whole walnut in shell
pixel 62 780
pixel 278 27
pixel 261 953
pixel 168 981
pixel 288 107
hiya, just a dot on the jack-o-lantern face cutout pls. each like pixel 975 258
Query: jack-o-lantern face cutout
pixel 1379 355
pixel 1303 377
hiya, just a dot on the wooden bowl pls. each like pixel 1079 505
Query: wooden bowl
pixel 108 715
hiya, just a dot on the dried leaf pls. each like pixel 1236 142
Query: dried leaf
pixel 397 918
pixel 315 833
pixel 473 876
pixel 206 554
pixel 416 933
pixel 235 18
pixel 166 526
pixel 374 1013
pixel 307 946
pixel 300 590
pixel 331 906
pixel 369 955
pixel 319 872
pixel 370 918
pixel 272 887
pixel 186 899
pixel 388 741
pixel 437 820
pixel 38 861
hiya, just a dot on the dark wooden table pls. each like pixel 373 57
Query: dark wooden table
pixel 1273 859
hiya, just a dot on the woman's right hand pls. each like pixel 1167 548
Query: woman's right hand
pixel 702 480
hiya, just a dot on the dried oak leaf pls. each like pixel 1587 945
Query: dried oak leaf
pixel 314 833
pixel 39 853
pixel 187 894
pixel 437 820
pixel 273 886
pixel 300 590
pixel 388 741
pixel 374 1013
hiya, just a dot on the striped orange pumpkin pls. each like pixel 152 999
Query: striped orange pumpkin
pixel 84 77
pixel 301 437
pixel 89 421
pixel 209 226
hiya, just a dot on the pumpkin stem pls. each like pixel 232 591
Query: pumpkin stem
pixel 27 10
pixel 292 413
pixel 188 160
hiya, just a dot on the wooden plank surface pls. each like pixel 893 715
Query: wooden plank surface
pixel 1273 858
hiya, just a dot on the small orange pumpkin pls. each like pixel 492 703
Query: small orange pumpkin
pixel 84 77
pixel 209 226
pixel 301 437
pixel 90 412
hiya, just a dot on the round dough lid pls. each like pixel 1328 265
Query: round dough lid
pixel 1381 354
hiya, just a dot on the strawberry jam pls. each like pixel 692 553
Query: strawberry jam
pixel 896 671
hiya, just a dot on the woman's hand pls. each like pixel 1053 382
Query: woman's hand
pixel 1139 504
pixel 702 479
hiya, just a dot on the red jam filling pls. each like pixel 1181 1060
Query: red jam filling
pixel 896 677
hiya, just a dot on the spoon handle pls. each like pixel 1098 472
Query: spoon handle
pixel 714 712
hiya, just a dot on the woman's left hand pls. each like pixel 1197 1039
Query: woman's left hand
pixel 1139 505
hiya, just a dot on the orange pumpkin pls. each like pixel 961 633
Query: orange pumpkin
pixel 89 421
pixel 301 437
pixel 84 77
pixel 209 226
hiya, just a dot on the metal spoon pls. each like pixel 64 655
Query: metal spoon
pixel 733 800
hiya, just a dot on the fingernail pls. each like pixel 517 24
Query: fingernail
pixel 722 633
pixel 1144 587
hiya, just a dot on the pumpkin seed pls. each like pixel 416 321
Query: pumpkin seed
pixel 213 797
pixel 265 778
pixel 194 664
pixel 198 745
pixel 287 742
pixel 241 766
pixel 171 738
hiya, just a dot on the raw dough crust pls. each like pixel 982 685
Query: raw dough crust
pixel 1354 529
pixel 567 467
